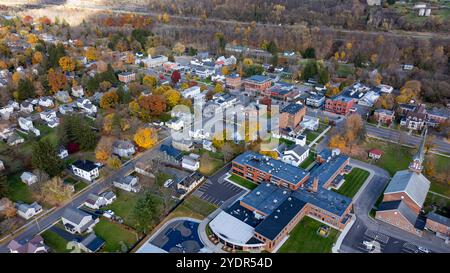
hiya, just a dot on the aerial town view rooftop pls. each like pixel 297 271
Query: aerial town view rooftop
pixel 224 127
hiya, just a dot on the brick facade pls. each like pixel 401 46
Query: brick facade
pixel 402 196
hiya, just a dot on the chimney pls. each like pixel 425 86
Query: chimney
pixel 315 185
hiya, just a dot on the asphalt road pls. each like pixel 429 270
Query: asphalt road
pixel 365 228
pixel 394 135
pixel 97 187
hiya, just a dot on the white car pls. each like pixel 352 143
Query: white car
pixel 108 214
pixel 368 244
pixel 423 249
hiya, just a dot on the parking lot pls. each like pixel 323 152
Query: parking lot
pixel 385 244
pixel 217 191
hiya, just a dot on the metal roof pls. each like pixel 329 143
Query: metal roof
pixel 414 184
pixel 439 218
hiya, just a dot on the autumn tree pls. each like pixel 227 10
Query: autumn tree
pixel 179 48
pixel 67 64
pixel 409 91
pixel 114 162
pixel 175 77
pixel 109 99
pixel 104 148
pixel 56 80
pixel 91 54
pixel 154 105
pixel 37 57
pixel 172 97
pixel 146 137
pixel 55 191
pixel 385 101
pixel 149 81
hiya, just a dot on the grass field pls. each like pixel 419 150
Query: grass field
pixel 124 205
pixel 116 237
pixel 394 158
pixel 304 239
pixel 57 243
pixel 345 70
pixel 193 207
pixel 353 181
pixel 19 191
pixel 243 182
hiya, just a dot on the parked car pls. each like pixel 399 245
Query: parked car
pixel 424 249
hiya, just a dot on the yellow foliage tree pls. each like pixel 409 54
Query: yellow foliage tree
pixel 91 54
pixel 146 137
pixel 172 97
pixel 114 162
pixel 336 141
pixel 67 64
pixel 149 81
pixel 109 99
pixel 37 57
pixel 32 39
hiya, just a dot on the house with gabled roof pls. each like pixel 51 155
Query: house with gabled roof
pixel 35 245
pixel 77 221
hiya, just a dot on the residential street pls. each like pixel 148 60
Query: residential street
pixel 392 239
pixel 48 220
pixel 395 136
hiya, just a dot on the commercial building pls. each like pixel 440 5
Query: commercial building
pixel 292 115
pixel 257 84
pixel 285 194
pixel 339 105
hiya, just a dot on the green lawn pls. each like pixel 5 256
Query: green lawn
pixel 19 191
pixel 394 158
pixel 310 159
pixel 353 181
pixel 57 243
pixel 345 70
pixel 124 205
pixel 193 207
pixel 78 185
pixel 304 239
pixel 310 136
pixel 243 182
pixel 286 141
pixel 116 237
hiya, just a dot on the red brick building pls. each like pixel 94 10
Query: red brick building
pixel 257 84
pixel 384 116
pixel 438 223
pixel 292 115
pixel 233 81
pixel 127 77
pixel 339 105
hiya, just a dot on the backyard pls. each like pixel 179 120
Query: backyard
pixel 57 243
pixel 304 238
pixel 353 182
pixel 124 205
pixel 117 238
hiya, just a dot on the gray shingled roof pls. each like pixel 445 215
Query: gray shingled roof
pixel 401 207
pixel 439 218
pixel 414 184
pixel 74 216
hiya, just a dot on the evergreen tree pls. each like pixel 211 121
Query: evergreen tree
pixel 45 158
pixel 4 187
pixel 25 89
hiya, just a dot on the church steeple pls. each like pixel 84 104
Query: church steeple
pixel 416 164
